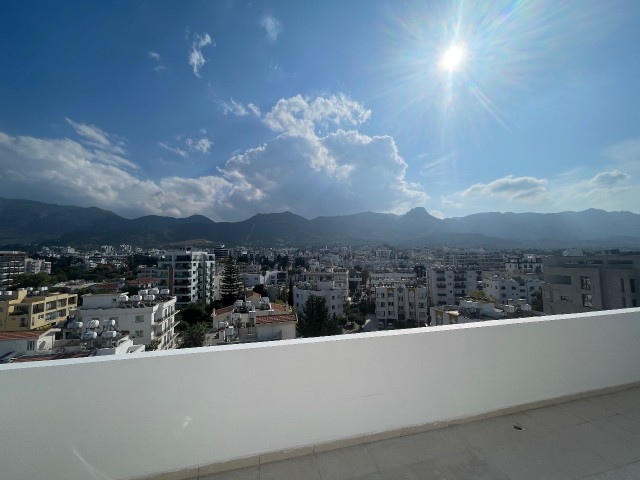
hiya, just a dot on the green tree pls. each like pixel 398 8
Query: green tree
pixel 290 296
pixel 315 320
pixel 194 313
pixel 536 301
pixel 194 335
pixel 231 283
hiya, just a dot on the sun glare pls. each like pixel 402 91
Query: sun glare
pixel 452 58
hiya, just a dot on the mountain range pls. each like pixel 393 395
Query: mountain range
pixel 28 222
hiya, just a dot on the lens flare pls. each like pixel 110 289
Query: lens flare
pixel 452 59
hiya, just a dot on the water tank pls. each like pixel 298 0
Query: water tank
pixel 93 324
pixel 143 292
pixel 89 335
pixel 29 289
pixel 8 293
pixel 124 298
pixel 135 298
pixel 44 289
pixel 109 323
pixel 149 298
pixel 164 291
pixel 76 325
pixel 110 334
pixel 154 291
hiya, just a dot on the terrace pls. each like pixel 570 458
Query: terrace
pixel 546 397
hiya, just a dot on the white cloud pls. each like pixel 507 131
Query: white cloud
pixel 202 145
pixel 98 138
pixel 437 213
pixel 237 109
pixel 272 26
pixel 175 150
pixel 158 67
pixel 609 179
pixel 310 173
pixel 527 189
pixel 196 58
pixel 254 109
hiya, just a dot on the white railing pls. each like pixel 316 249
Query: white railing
pixel 98 417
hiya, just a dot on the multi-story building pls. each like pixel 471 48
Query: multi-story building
pixel 35 266
pixel 377 279
pixel 333 295
pixel 588 283
pixel 12 264
pixel 188 274
pixel 339 277
pixel 148 317
pixel 397 302
pixel 528 263
pixel 29 309
pixel 504 289
pixel 446 286
pixel 476 258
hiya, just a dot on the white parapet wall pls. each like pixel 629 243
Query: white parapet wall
pixel 113 418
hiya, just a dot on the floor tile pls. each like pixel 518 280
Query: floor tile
pixel 346 463
pixel 242 474
pixel 302 467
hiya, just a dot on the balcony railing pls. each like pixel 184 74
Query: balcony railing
pixel 582 353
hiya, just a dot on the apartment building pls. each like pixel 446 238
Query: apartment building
pixel 377 279
pixel 504 288
pixel 339 277
pixel 588 283
pixel 333 295
pixel 397 302
pixel 149 317
pixel 12 264
pixel 527 263
pixel 34 266
pixel 29 309
pixel 446 286
pixel 188 274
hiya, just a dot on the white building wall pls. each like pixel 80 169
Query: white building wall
pixel 490 360
pixel 333 297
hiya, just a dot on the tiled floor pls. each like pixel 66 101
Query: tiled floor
pixel 597 438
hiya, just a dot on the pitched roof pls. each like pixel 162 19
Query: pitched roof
pixel 23 335
pixel 286 318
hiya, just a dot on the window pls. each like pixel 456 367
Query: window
pixel 382 304
pixel 622 285
pixel 585 283
pixel 586 300
pixel 632 285
pixel 139 333
pixel 139 318
pixel 31 345
pixel 23 322
pixel 634 302
pixel 564 297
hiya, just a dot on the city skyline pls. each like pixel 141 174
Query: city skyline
pixel 233 109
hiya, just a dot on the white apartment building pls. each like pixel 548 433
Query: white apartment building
pixel 35 266
pixel 149 317
pixel 333 295
pixel 377 279
pixel 339 277
pixel 447 286
pixel 12 264
pixel 401 303
pixel 515 288
pixel 188 274
pixel 524 263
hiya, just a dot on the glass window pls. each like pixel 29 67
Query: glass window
pixel 585 283
pixel 586 300
pixel 139 318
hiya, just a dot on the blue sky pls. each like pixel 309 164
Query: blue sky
pixel 229 108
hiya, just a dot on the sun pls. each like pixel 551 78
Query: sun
pixel 453 58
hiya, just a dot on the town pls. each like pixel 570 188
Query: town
pixel 59 302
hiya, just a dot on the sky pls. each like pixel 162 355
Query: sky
pixel 232 108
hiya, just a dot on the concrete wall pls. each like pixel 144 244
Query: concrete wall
pixel 74 419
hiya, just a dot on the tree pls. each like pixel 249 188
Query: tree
pixel 193 314
pixel 290 296
pixel 536 301
pixel 194 335
pixel 231 284
pixel 315 320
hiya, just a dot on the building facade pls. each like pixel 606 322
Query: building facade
pixel 188 275
pixel 398 302
pixel 515 288
pixel 334 296
pixel 29 309
pixel 588 283
pixel 448 286
pixel 148 317
pixel 12 264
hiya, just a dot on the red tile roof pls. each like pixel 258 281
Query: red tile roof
pixel 222 311
pixel 53 356
pixel 286 318
pixel 24 335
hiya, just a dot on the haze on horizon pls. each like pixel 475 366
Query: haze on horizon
pixel 230 109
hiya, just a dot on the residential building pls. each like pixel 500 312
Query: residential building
pixel 504 289
pixel 590 282
pixel 149 317
pixel 12 264
pixel 380 278
pixel 401 303
pixel 188 274
pixel 29 309
pixel 446 286
pixel 339 277
pixel 333 295
pixel 527 263
pixel 35 266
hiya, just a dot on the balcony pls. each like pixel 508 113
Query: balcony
pixel 558 411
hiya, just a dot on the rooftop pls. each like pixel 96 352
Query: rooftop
pixel 593 438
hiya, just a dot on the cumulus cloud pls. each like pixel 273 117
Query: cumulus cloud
pixel 196 58
pixel 528 189
pixel 609 179
pixel 301 169
pixel 158 67
pixel 272 26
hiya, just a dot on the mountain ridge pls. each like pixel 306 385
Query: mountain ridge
pixel 27 221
